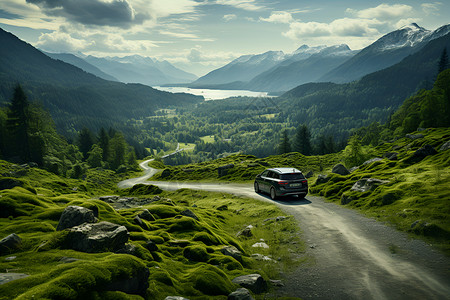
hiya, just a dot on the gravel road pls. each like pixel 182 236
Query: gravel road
pixel 352 257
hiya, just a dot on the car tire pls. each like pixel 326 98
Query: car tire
pixel 256 185
pixel 273 194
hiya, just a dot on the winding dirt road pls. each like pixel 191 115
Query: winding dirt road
pixel 352 257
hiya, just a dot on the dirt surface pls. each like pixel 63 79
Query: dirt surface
pixel 351 256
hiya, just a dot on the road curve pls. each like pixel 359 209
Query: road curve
pixel 352 257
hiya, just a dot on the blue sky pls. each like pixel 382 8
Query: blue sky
pixel 201 35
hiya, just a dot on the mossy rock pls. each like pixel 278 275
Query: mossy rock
pixel 196 253
pixel 10 183
pixel 184 224
pixel 225 261
pixel 211 281
pixel 206 238
pixel 161 276
pixel 161 211
pixel 143 189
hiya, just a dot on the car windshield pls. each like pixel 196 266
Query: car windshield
pixel 292 176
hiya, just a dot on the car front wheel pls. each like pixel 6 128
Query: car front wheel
pixel 273 195
pixel 256 185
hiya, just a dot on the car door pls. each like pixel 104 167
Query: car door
pixel 263 181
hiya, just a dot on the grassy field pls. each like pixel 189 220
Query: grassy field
pixel 188 259
pixel 208 139
pixel 188 147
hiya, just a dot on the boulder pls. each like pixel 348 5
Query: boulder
pixel 7 277
pixel 233 252
pixel 127 249
pixel 99 237
pixel 223 170
pixel 140 223
pixel 368 162
pixel 340 169
pixel 146 215
pixel 240 294
pixel 353 169
pixel 109 199
pixel 253 282
pixel 414 136
pixel 189 213
pixel 74 216
pixel 322 179
pixel 445 146
pixel 421 153
pixel 10 243
pixel 247 231
pixel 260 245
pixel 367 184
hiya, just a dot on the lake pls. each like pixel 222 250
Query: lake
pixel 213 94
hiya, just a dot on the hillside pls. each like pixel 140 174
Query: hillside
pixel 73 97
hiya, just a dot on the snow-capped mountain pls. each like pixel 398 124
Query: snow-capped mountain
pixel 385 52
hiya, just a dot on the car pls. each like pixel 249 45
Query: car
pixel 278 182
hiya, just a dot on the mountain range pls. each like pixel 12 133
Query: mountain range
pixel 74 97
pixel 338 64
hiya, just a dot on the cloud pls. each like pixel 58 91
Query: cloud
pixel 431 8
pixel 61 42
pixel 118 13
pixel 384 11
pixel 242 4
pixel 229 17
pixel 278 17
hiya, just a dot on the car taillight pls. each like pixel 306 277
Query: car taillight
pixel 304 181
pixel 283 182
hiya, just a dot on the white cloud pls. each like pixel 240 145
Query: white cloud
pixel 279 17
pixel 61 42
pixel 242 4
pixel 165 8
pixel 384 11
pixel 431 8
pixel 408 21
pixel 229 17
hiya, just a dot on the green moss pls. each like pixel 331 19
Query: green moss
pixel 206 238
pixel 196 253
pixel 225 262
pixel 142 189
pixel 211 281
pixel 163 211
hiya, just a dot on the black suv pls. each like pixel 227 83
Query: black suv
pixel 281 182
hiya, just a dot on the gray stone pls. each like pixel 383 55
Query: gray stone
pixel 74 216
pixel 367 184
pixel 261 257
pixel 322 179
pixel 223 170
pixel 368 162
pixel 127 249
pixel 139 222
pixel 345 199
pixel 99 237
pixel 414 136
pixel 240 294
pixel 253 282
pixel 146 215
pixel 233 252
pixel 7 277
pixel 175 298
pixel 10 243
pixel 340 169
pixel 109 199
pixel 445 146
pixel 189 213
pixel 353 169
pixel 425 151
pixel 247 231
pixel 260 245
pixel 68 260
pixel 278 283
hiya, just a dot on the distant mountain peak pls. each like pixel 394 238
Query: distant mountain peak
pixel 412 26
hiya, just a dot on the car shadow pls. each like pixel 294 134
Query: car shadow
pixel 288 200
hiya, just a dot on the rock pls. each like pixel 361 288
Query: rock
pixel 368 162
pixel 445 146
pixel 10 183
pixel 189 213
pixel 68 260
pixel 253 282
pixel 423 152
pixel 346 199
pixel 367 184
pixel 260 245
pixel 222 207
pixel 322 179
pixel 139 222
pixel 7 277
pixel 109 199
pixel 414 136
pixel 151 246
pixel 240 294
pixel 278 283
pixel 247 231
pixel 223 170
pixel 309 174
pixel 10 243
pixel 353 169
pixel 340 169
pixel 175 298
pixel 99 237
pixel 391 155
pixel 233 252
pixel 146 215
pixel 127 249
pixel 165 173
pixel 74 216
pixel 261 257
pixel 136 284
pixel 10 258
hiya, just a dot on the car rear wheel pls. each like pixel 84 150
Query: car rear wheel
pixel 273 195
pixel 256 185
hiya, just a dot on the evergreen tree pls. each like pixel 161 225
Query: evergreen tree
pixel 355 150
pixel 95 156
pixel 117 150
pixel 443 62
pixel 284 146
pixel 302 141
pixel 103 140
pixel 85 141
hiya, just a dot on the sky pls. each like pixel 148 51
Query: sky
pixel 201 35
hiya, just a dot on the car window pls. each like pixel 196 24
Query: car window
pixel 265 173
pixel 292 176
pixel 275 175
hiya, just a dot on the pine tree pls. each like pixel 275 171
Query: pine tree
pixel 85 141
pixel 117 150
pixel 284 146
pixel 103 140
pixel 443 62
pixel 302 141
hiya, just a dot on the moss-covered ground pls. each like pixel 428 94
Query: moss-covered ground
pixel 416 197
pixel 185 258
